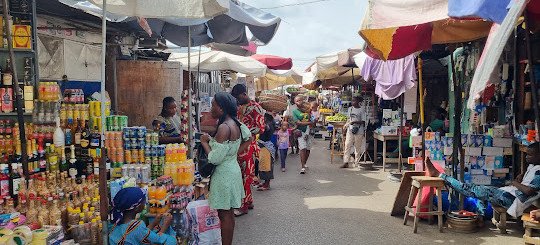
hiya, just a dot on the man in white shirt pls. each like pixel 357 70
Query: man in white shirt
pixel 355 131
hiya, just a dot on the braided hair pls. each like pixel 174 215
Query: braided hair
pixel 229 105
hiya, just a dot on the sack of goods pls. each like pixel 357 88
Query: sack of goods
pixel 273 102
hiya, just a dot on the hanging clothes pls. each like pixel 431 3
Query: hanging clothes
pixel 392 77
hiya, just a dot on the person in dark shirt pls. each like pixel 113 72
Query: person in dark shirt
pixel 267 154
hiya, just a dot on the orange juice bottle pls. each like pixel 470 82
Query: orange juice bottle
pixel 161 192
pixel 168 153
pixel 152 192
pixel 182 152
pixel 174 173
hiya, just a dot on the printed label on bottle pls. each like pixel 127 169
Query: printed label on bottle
pixel 84 143
pixel 8 79
pixel 58 222
pixel 69 141
pixel 16 186
pixel 72 172
pixel 4 188
pixel 42 164
pixel 94 143
pixel 77 138
pixel 53 160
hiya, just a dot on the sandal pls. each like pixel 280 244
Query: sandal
pixel 239 212
pixel 262 188
pixel 251 206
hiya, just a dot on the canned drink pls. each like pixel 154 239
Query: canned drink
pixel 108 140
pixel 125 170
pixel 155 139
pixel 155 151
pixel 141 132
pixel 148 160
pixel 139 174
pixel 147 151
pixel 120 156
pixel 126 133
pixel 97 108
pixel 111 153
pixel 141 155
pixel 145 174
pixel 134 143
pixel 117 137
pixel 132 171
pixel 97 122
pixel 109 123
pixel 122 122
pixel 148 139
pixel 127 156
pixel 127 145
pixel 161 153
pixel 141 143
pixel 134 156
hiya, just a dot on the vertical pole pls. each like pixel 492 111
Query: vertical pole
pixel 190 106
pixel 18 96
pixel 104 200
pixel 115 81
pixel 531 72
pixel 457 125
pixel 421 93
pixel 400 134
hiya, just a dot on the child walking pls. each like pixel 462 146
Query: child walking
pixel 283 143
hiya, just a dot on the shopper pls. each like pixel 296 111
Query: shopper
pixel 355 132
pixel 302 116
pixel 168 123
pixel 288 116
pixel 251 114
pixel 283 143
pixel 516 198
pixel 267 154
pixel 127 230
pixel 226 181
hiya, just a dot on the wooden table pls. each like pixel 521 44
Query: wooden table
pixel 324 115
pixel 339 153
pixel 384 139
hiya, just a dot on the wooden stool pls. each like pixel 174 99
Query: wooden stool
pixel 418 183
pixel 529 225
pixel 499 218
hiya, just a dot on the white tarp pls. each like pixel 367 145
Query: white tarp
pixel 497 39
pixel 166 8
pixel 382 14
pixel 220 61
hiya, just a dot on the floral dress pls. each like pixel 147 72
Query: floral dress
pixel 226 187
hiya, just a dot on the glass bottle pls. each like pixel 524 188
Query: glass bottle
pixel 31 214
pixel 55 213
pixel 53 159
pixel 42 156
pixel 43 214
pixel 64 165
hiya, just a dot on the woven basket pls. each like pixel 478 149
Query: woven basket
pixel 273 102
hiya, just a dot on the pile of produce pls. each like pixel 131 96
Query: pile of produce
pixel 324 110
pixel 313 92
pixel 337 118
pixel 296 90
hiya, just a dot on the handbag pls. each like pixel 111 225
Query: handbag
pixel 206 169
pixel 297 133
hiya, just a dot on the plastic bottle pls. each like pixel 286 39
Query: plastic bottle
pixel 59 138
pixel 94 230
pixel 183 152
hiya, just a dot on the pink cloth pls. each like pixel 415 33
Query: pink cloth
pixel 392 77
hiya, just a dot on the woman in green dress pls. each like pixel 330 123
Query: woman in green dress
pixel 226 187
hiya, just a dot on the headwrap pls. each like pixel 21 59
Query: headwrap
pixel 125 200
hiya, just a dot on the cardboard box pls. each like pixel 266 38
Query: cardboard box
pixel 501 171
pixel 22 37
pixel 508 151
pixel 473 151
pixel 448 150
pixel 389 130
pixel 416 141
pixel 433 136
pixel 481 179
pixel 498 132
pixel 488 140
pixel 502 142
pixel 490 163
pixel 499 162
pixel 493 151
pixel 477 171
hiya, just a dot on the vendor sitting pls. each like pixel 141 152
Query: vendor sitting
pixel 516 198
pixel 168 123
pixel 439 123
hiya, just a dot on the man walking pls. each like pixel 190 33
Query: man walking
pixel 355 132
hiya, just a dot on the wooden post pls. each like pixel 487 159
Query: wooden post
pixel 531 72
pixel 422 122
pixel 18 96
pixel 457 126
pixel 400 134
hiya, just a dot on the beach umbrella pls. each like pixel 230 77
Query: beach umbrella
pixel 166 8
pixel 220 61
pixel 394 29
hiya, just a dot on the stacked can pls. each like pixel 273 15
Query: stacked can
pixel 116 123
pixel 154 155
pixel 134 143
pixel 115 151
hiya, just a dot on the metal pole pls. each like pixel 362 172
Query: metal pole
pixel 531 72
pixel 104 203
pixel 15 81
pixel 190 106
pixel 400 134
pixel 458 148
pixel 421 92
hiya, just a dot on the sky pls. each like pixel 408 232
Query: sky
pixel 309 30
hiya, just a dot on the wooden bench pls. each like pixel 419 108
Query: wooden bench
pixel 530 225
pixel 499 218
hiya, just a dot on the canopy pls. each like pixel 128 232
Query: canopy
pixel 274 62
pixel 235 49
pixel 219 61
pixel 345 58
pixel 166 8
pixel 394 29
pixel 228 28
pixel 277 78
pixel 494 47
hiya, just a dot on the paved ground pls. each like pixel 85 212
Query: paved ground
pixel 334 206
